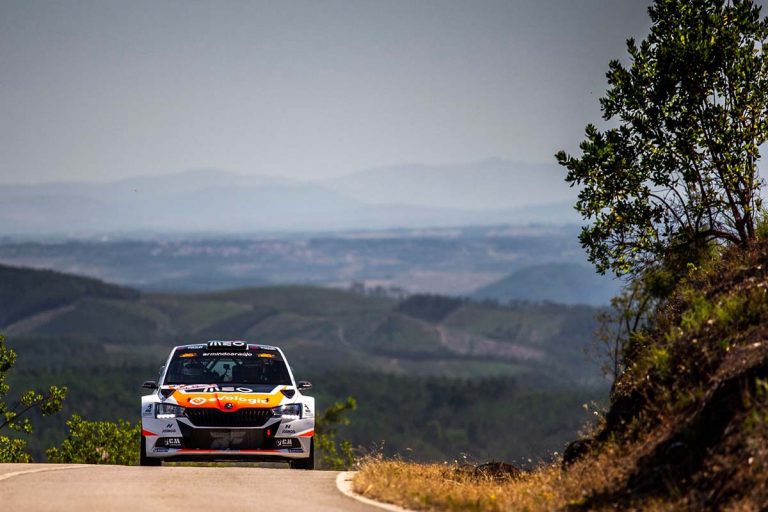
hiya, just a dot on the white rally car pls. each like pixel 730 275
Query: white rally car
pixel 227 400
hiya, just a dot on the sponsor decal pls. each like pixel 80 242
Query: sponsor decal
pixel 200 400
pixel 227 344
pixel 295 450
pixel 170 428
pixel 228 354
pixel 188 354
pixel 283 443
pixel 147 412
pixel 266 354
pixel 160 450
pixel 288 431
pixel 211 388
pixel 307 412
pixel 194 387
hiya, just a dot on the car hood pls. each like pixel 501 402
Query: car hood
pixel 226 398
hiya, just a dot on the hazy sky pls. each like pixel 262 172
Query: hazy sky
pixel 97 90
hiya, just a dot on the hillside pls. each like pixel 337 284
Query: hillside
pixel 103 345
pixel 321 325
pixel 688 422
pixel 566 283
pixel 27 292
pixel 687 425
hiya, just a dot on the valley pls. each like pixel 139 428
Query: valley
pixel 422 367
pixel 468 261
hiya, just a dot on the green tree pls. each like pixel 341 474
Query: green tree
pixel 12 416
pixel 98 442
pixel 334 454
pixel 679 169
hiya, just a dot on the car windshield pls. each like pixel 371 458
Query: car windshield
pixel 203 366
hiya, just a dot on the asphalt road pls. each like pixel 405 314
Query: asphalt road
pixel 81 488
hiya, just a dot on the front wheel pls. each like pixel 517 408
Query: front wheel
pixel 143 459
pixel 309 462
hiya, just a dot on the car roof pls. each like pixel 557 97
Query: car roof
pixel 257 346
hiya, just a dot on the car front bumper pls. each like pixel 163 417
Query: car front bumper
pixel 179 439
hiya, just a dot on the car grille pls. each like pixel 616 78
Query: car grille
pixel 227 438
pixel 208 417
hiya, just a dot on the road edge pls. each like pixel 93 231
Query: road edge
pixel 6 476
pixel 344 485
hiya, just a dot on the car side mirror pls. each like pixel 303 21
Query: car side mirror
pixel 304 385
pixel 150 384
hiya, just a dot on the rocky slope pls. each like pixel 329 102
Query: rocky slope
pixel 688 421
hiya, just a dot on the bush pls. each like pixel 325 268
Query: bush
pixel 334 454
pixel 13 450
pixel 98 442
pixel 11 417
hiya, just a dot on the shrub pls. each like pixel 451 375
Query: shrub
pixel 11 417
pixel 334 454
pixel 98 442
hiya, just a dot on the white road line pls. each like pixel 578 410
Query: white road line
pixel 344 484
pixel 6 476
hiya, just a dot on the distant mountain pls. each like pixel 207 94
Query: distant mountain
pixel 195 201
pixel 564 283
pixel 493 184
pixel 210 201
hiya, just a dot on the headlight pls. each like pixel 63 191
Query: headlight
pixel 165 411
pixel 290 411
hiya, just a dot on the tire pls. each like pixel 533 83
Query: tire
pixel 143 459
pixel 309 462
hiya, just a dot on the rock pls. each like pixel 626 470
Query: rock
pixel 498 470
pixel 576 450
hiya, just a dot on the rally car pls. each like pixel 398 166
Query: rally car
pixel 227 400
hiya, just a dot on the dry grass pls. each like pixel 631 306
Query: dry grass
pixel 443 487
pixel 447 487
